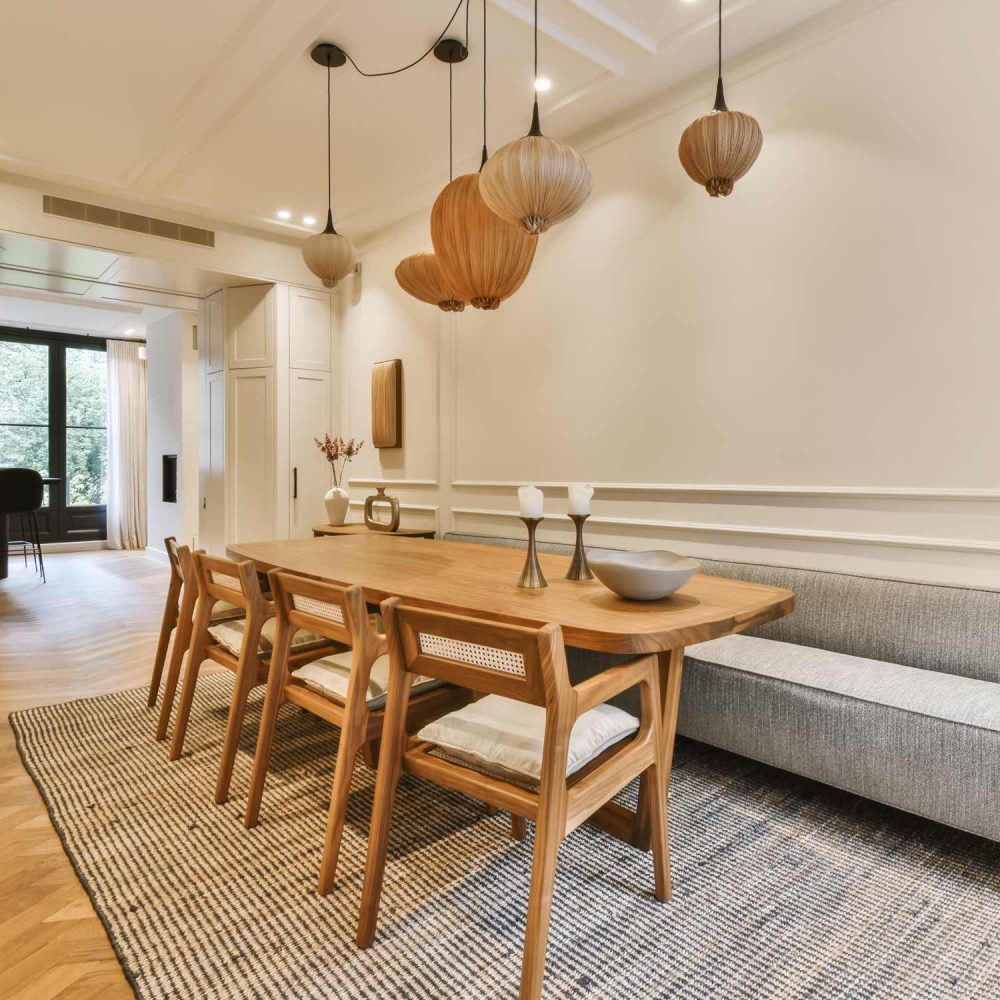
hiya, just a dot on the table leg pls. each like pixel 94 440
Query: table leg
pixel 4 541
pixel 618 820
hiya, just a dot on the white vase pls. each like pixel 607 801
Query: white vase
pixel 336 502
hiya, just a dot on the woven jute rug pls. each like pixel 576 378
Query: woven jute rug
pixel 782 888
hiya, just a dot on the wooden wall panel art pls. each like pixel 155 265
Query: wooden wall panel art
pixel 387 404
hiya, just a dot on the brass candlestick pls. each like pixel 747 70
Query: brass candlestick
pixel 531 576
pixel 579 569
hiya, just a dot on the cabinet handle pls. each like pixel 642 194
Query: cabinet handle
pixel 295 483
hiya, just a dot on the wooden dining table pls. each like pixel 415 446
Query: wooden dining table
pixel 481 581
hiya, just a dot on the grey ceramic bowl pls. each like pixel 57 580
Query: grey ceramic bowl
pixel 642 576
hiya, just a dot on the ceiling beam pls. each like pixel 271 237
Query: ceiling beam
pixel 264 44
pixel 617 24
pixel 561 35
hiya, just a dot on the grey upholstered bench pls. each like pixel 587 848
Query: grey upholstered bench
pixel 880 687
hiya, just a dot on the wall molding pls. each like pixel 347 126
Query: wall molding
pixel 393 482
pixel 800 534
pixel 734 489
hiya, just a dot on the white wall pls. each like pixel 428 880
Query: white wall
pixel 172 422
pixel 803 373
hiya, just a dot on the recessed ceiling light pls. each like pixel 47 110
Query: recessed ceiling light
pixel 309 220
pixel 284 214
pixel 542 83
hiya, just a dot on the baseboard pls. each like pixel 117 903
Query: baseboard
pixel 159 554
pixel 88 546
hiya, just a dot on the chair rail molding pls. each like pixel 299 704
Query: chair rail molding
pixel 735 489
pixel 803 534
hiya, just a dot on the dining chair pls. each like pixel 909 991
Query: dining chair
pixel 241 645
pixel 346 689
pixel 535 745
pixel 22 493
pixel 178 616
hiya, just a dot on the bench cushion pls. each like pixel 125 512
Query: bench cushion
pixel 922 741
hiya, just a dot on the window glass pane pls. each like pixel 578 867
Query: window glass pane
pixel 24 375
pixel 86 467
pixel 86 388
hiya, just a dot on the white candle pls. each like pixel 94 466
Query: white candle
pixel 531 500
pixel 579 499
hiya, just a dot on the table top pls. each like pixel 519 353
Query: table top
pixel 481 580
pixel 363 529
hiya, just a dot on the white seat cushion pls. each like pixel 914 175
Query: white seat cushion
pixel 223 611
pixel 229 634
pixel 331 676
pixel 506 737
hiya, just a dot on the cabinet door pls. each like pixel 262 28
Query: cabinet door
pixel 250 454
pixel 308 418
pixel 250 326
pixel 309 329
pixel 212 509
pixel 213 338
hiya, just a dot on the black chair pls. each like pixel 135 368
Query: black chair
pixel 21 493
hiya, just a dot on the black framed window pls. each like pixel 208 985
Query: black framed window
pixel 53 418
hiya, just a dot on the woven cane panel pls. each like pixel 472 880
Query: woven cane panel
pixel 321 609
pixel 502 661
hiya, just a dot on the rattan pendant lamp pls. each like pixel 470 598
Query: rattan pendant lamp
pixel 421 274
pixel 483 257
pixel 329 255
pixel 717 149
pixel 535 181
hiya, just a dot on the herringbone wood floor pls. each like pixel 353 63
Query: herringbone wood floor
pixel 91 629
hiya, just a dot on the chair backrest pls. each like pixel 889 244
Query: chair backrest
pixel 226 580
pixel 490 657
pixel 171 547
pixel 326 609
pixel 21 491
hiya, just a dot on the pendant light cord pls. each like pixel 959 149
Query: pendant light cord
pixel 720 97
pixel 451 126
pixel 486 155
pixel 536 125
pixel 419 59
pixel 329 156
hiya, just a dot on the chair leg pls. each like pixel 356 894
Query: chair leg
pixel 38 544
pixel 518 827
pixel 182 642
pixel 25 534
pixel 339 796
pixel 167 625
pixel 246 679
pixel 548 836
pixel 195 656
pixel 390 766
pixel 276 680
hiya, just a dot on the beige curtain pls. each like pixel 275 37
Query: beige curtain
pixel 126 446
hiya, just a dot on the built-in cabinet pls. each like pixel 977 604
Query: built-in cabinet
pixel 309 406
pixel 266 355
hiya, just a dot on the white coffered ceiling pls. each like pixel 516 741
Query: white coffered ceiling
pixel 216 110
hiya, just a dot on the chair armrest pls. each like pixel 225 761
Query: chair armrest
pixel 604 686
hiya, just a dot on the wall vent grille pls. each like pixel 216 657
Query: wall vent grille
pixel 51 205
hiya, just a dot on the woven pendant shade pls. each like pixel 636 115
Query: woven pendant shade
pixel 484 258
pixel 329 256
pixel 719 148
pixel 421 276
pixel 535 182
